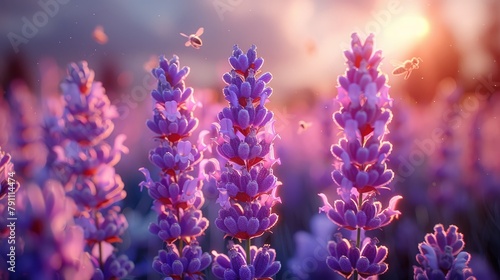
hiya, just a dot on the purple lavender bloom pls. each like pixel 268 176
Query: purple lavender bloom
pixel 27 150
pixel 441 256
pixel 88 111
pixel 248 222
pixel 345 257
pixel 234 265
pixel 183 194
pixel 48 233
pixel 173 114
pixel 177 195
pixel 247 192
pixel 190 225
pixel 188 266
pixel 246 186
pixel 114 268
pixel 86 166
pixel 368 216
pixel 363 116
pixel 109 228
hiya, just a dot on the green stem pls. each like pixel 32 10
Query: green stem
pixel 248 251
pixel 101 264
pixel 358 234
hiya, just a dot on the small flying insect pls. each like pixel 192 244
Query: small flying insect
pixel 194 39
pixel 303 126
pixel 406 67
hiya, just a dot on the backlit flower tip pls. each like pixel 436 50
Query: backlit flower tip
pixel 114 268
pixel 81 75
pixel 371 215
pixel 188 267
pixel 184 98
pixel 241 62
pixel 248 91
pixel 170 228
pixel 441 255
pixel 246 223
pixel 109 228
pixel 362 53
pixel 172 130
pixel 245 186
pixel 101 189
pixel 169 75
pixel 6 167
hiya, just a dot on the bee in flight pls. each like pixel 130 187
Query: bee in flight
pixel 303 126
pixel 194 39
pixel 406 67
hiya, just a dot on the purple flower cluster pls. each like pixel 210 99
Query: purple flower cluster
pixel 234 265
pixel 86 167
pixel 50 244
pixel 247 186
pixel 177 195
pixel 363 117
pixel 441 256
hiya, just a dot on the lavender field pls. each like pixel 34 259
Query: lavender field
pixel 231 139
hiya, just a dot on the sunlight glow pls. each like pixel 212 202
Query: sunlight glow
pixel 410 27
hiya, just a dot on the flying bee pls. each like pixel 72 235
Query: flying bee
pixel 194 39
pixel 407 66
pixel 303 126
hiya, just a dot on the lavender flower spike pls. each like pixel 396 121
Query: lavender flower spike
pixel 247 186
pixel 363 117
pixel 441 256
pixel 177 196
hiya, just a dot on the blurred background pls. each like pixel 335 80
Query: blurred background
pixel 450 179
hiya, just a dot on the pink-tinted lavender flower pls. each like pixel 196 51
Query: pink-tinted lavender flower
pixel 51 246
pixel 110 228
pixel 234 266
pixel 441 256
pixel 363 116
pixel 247 186
pixel 177 195
pixel 25 137
pixel 85 164
pixel 188 266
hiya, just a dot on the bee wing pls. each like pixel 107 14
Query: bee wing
pixel 396 63
pixel 407 75
pixel 200 31
pixel 188 43
pixel 184 35
pixel 399 70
